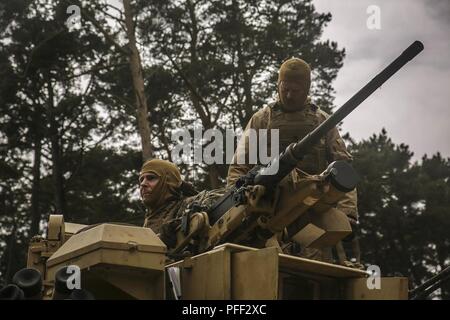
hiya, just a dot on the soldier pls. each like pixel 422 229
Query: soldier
pixel 167 197
pixel 159 183
pixel 295 115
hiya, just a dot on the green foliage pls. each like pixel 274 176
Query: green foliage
pixel 404 209
pixel 231 50
pixel 56 131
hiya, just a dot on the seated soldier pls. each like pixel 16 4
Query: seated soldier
pixel 166 197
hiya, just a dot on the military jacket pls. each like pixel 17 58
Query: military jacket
pixel 292 127
pixel 165 220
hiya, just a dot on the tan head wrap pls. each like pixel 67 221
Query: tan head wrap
pixel 297 71
pixel 169 181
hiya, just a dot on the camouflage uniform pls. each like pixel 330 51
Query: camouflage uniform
pixel 294 115
pixel 170 198
pixel 154 219
pixel 166 219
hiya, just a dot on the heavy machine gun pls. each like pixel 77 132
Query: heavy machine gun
pixel 260 204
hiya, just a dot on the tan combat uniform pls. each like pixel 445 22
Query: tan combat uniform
pixel 166 219
pixel 154 219
pixel 293 126
pixel 170 198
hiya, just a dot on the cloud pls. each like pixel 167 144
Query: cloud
pixel 413 104
pixel 440 10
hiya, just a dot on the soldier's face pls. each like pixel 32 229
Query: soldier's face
pixel 292 95
pixel 147 183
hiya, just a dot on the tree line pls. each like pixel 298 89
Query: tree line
pixel 82 107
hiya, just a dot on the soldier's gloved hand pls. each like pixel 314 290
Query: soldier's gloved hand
pixel 168 234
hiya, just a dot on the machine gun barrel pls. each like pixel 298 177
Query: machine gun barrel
pixel 287 160
pixel 431 285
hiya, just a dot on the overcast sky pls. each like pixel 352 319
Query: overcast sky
pixel 413 105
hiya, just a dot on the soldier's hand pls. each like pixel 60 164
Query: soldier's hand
pixel 168 234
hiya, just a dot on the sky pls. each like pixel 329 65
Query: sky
pixel 413 106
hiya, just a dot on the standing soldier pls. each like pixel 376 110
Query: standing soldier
pixel 294 115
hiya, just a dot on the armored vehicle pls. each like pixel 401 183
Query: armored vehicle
pixel 230 249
